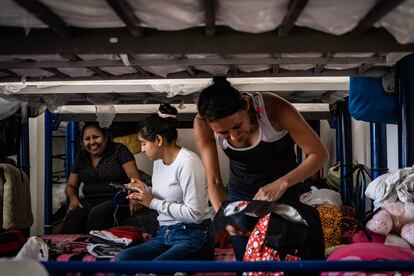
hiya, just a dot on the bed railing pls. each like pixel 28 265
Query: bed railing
pixel 293 267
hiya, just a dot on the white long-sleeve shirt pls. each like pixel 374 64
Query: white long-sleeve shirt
pixel 180 190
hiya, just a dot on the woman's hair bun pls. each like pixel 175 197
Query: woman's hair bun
pixel 166 108
pixel 220 80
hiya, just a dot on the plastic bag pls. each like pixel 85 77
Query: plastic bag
pixel 35 248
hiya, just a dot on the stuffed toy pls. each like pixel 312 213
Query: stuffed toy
pixel 396 218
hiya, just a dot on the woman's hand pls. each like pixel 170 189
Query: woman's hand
pixel 236 230
pixel 134 206
pixel 74 203
pixel 137 184
pixel 272 191
pixel 144 197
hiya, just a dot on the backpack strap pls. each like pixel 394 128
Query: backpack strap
pixel 306 238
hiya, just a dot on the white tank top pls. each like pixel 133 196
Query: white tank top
pixel 267 133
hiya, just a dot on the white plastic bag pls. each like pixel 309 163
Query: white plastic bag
pixel 35 248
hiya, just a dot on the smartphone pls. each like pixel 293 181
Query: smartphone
pixel 122 187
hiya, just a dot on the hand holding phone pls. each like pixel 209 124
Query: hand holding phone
pixel 122 187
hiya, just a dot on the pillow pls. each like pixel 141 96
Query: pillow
pixel 131 141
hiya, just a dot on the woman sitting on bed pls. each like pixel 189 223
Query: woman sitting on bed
pixel 100 162
pixel 179 194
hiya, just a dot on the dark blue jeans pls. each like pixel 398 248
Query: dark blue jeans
pixel 183 241
pixel 246 222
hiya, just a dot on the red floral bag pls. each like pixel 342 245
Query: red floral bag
pixel 256 249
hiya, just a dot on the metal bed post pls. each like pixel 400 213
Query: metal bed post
pixel 72 141
pixel 405 85
pixel 378 149
pixel 48 172
pixel 345 150
pixel 338 129
pixel 23 159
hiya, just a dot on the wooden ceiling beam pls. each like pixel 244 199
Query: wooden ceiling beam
pixel 94 69
pixel 363 68
pixel 139 69
pixel 320 67
pixel 56 72
pixel 191 71
pixel 47 16
pixel 194 41
pixel 9 73
pixel 366 66
pixel 381 9
pixel 125 12
pixel 295 8
pixel 227 60
pixel 376 71
pixel 234 71
pixel 188 68
pixel 275 67
pixel 327 94
pixel 210 17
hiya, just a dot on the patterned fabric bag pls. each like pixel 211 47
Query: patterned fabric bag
pixel 336 222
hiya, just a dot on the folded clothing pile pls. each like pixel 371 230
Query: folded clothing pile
pixel 107 243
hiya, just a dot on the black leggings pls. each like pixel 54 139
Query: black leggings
pixel 93 216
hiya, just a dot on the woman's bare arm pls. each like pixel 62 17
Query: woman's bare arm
pixel 208 152
pixel 71 191
pixel 284 116
pixel 131 169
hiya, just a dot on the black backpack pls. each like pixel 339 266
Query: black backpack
pixel 287 237
pixel 283 234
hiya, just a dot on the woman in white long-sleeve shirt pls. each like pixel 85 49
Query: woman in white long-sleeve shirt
pixel 179 194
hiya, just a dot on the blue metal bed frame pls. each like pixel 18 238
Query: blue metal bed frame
pixel 296 267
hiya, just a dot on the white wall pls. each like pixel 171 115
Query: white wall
pixel 361 152
pixel 361 139
pixel 392 147
pixel 328 136
pixel 37 161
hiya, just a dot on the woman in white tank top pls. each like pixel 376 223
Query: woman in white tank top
pixel 258 133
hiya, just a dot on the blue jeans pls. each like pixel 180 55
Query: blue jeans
pixel 182 241
pixel 246 222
